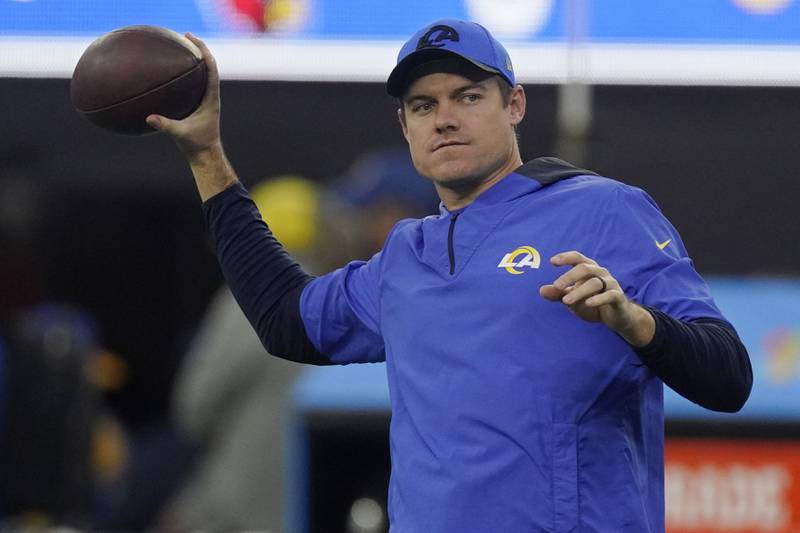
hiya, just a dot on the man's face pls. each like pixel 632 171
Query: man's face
pixel 459 131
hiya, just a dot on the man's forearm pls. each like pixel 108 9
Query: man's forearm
pixel 212 171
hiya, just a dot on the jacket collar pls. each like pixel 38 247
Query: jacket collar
pixel 531 176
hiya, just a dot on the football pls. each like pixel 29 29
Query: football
pixel 135 71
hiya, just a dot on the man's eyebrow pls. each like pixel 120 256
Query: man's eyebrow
pixel 470 87
pixel 417 97
pixel 480 85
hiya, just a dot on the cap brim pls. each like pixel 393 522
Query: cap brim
pixel 398 79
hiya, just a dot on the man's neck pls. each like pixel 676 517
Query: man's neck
pixel 456 198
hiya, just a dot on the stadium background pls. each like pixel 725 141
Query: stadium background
pixel 695 102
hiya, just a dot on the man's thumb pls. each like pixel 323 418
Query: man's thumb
pixel 159 123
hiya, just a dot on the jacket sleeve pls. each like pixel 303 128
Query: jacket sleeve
pixel 695 350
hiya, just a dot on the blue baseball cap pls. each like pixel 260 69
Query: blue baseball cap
pixel 450 38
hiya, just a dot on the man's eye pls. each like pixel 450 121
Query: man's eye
pixel 427 106
pixel 471 98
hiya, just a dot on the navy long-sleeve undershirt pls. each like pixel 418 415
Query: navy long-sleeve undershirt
pixel 263 278
pixel 703 359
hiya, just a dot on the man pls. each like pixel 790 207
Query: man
pixel 508 413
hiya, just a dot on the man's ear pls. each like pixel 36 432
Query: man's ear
pixel 517 105
pixel 401 118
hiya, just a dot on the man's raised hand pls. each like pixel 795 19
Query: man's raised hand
pixel 199 132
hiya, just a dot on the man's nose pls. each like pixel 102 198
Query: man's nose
pixel 446 119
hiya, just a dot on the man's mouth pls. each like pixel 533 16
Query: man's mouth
pixel 445 144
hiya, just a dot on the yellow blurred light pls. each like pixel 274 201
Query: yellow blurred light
pixel 290 206
pixel 107 371
pixel 109 450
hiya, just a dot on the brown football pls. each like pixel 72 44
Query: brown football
pixel 135 71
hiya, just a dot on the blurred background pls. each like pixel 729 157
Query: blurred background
pixel 134 396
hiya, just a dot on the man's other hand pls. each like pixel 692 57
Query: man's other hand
pixel 594 295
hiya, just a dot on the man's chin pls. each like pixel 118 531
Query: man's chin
pixel 453 170
pixel 457 181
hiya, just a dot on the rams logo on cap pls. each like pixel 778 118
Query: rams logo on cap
pixel 435 36
pixel 524 256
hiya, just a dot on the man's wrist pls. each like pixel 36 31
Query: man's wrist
pixel 212 154
pixel 212 171
pixel 641 328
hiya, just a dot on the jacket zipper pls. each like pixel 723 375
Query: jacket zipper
pixel 450 252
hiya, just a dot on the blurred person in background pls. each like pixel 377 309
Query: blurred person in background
pixel 383 187
pixel 67 459
pixel 137 467
pixel 230 399
pixel 49 411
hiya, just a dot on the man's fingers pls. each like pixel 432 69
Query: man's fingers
pixel 604 298
pixel 208 57
pixel 588 288
pixel 573 275
pixel 550 292
pixel 570 258
pixel 211 98
pixel 581 272
pixel 585 284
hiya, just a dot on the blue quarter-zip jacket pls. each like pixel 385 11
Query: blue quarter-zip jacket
pixel 509 414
